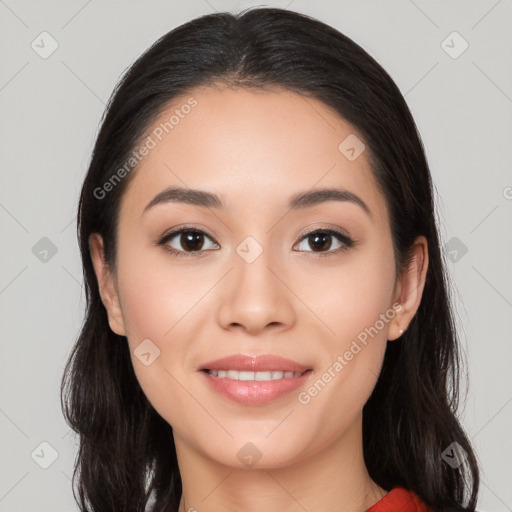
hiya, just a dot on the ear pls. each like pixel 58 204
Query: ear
pixel 409 288
pixel 107 285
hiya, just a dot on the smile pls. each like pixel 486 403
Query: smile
pixel 257 376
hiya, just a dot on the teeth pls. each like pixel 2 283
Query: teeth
pixel 244 375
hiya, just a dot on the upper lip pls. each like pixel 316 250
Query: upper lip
pixel 255 363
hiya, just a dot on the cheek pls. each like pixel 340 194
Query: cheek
pixel 158 295
pixel 349 298
pixel 155 315
pixel 160 303
pixel 358 311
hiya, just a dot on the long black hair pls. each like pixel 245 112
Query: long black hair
pixel 126 450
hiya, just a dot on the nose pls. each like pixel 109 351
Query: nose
pixel 254 296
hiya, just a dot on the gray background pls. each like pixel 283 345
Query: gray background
pixel 50 110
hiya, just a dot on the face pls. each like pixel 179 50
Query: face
pixel 253 274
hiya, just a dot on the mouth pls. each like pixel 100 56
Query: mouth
pixel 261 363
pixel 257 376
pixel 255 380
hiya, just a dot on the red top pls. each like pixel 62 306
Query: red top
pixel 400 499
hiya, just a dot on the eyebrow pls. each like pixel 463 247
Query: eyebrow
pixel 297 201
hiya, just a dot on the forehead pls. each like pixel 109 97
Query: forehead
pixel 256 146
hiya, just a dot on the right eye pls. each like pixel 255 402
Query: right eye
pixel 191 241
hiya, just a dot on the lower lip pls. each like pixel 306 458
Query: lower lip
pixel 255 392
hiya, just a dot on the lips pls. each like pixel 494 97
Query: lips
pixel 259 363
pixel 254 380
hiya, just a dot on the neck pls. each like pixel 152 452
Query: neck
pixel 331 480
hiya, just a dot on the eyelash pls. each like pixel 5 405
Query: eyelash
pixel 343 238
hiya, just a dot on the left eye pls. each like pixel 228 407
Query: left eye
pixel 321 241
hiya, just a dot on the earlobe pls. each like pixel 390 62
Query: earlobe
pixel 410 287
pixel 108 292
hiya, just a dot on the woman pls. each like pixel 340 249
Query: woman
pixel 268 324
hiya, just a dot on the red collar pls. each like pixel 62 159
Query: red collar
pixel 400 499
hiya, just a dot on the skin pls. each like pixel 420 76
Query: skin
pixel 255 150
